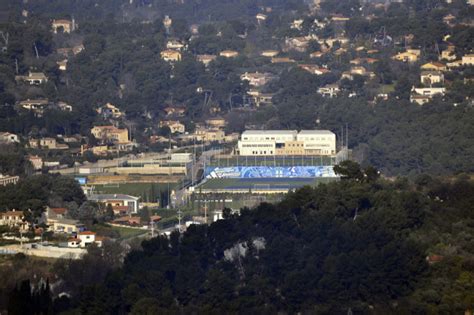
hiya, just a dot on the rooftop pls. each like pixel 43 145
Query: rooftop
pixel 316 132
pixel 266 132
pixel 87 233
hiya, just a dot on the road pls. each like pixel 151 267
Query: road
pixel 180 195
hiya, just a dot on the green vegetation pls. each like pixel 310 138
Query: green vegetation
pixel 37 192
pixel 117 232
pixel 349 244
pixel 149 192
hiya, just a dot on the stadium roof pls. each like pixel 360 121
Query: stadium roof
pixel 316 132
pixel 264 132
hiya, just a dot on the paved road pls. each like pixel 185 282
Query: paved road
pixel 180 196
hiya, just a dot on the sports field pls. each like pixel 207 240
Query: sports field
pixel 260 184
pixel 149 192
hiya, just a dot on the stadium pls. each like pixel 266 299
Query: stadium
pixel 265 175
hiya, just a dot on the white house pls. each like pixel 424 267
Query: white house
pixel 117 201
pixel 7 137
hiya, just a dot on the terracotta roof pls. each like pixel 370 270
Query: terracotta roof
pixel 73 239
pixel 155 218
pixel 87 233
pixel 59 210
pixel 120 207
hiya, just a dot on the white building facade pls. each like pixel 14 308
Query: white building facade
pixel 287 142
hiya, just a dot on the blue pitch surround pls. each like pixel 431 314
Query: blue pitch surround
pixel 269 172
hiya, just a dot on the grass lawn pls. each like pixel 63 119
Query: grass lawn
pixel 117 232
pixel 263 183
pixel 149 192
pixel 387 88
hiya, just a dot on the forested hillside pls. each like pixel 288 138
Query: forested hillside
pixel 369 246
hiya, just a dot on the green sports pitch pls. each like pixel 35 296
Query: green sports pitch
pixel 259 184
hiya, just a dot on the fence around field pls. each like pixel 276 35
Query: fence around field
pixel 280 161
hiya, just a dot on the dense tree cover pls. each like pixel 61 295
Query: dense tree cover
pixel 13 161
pixel 37 192
pixel 351 244
pixel 194 10
pixel 27 300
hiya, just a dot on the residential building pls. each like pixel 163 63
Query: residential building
pixel 13 218
pixel 429 91
pixel 316 54
pixel 63 106
pixel 410 55
pixel 297 24
pixel 216 122
pixel 77 49
pixel 434 66
pixel 257 79
pixel 49 143
pixel 424 95
pixel 419 99
pixel 7 137
pixel 329 90
pixel 287 142
pixel 62 64
pixel 110 110
pixel 36 161
pixel 170 55
pixel 175 111
pixel 282 60
pixel 67 26
pixel 33 78
pixel 431 77
pixel 117 200
pixel 53 214
pixel 128 220
pixel 7 180
pixel 448 53
pixel 314 69
pixel 258 98
pixel 449 20
pixel 174 125
pixel 360 61
pixel 468 60
pixel 67 226
pixel 206 59
pixel 86 238
pixel 38 105
pixel 229 53
pixel 175 44
pixel 297 43
pixel 110 134
pixel 209 135
pixel 260 18
pixel 269 53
